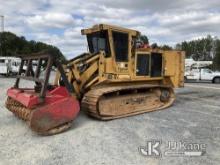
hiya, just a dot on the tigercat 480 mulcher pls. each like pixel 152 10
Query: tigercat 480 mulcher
pixel 115 79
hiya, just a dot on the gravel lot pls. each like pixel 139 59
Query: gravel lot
pixel 195 117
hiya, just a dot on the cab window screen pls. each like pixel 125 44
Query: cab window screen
pixel 98 41
pixel 121 46
pixel 156 65
pixel 142 65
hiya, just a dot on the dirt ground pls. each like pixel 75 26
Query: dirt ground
pixel 194 117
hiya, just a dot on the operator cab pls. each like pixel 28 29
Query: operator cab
pixel 113 40
pixel 117 43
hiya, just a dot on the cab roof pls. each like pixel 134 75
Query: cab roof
pixel 100 27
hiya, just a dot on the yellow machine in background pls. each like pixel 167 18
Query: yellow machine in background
pixel 117 79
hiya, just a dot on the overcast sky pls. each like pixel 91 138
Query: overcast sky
pixel 59 22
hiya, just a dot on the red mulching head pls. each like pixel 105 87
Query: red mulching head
pixel 58 109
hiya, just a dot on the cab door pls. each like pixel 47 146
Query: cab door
pixel 121 50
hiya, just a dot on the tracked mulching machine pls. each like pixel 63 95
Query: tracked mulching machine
pixel 115 79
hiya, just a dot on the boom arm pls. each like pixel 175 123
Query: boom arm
pixel 82 72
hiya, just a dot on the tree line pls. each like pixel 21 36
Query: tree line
pixel 203 49
pixel 145 40
pixel 12 45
